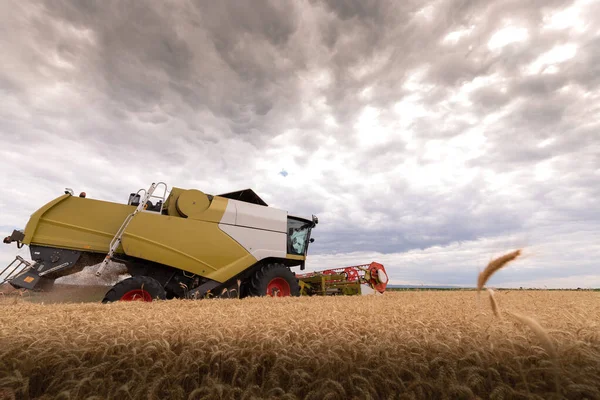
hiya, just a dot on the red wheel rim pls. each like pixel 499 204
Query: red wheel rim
pixel 136 295
pixel 351 273
pixel 278 287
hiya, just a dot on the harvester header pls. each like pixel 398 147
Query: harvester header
pixel 359 279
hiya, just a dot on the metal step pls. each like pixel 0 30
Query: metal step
pixel 21 266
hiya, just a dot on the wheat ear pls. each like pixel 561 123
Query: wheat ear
pixel 494 266
pixel 544 338
pixel 540 333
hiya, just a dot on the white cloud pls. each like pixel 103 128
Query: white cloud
pixel 410 109
pixel 369 129
pixel 546 142
pixel 556 55
pixel 426 12
pixel 573 17
pixel 415 80
pixel 455 36
pixel 544 171
pixel 506 36
pixel 366 93
pixel 372 66
pixel 331 122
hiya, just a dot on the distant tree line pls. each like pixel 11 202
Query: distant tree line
pixel 429 289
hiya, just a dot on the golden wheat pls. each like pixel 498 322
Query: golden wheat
pixel 494 266
pixel 539 331
pixel 494 304
pixel 399 345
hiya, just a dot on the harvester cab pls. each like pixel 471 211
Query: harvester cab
pixel 187 244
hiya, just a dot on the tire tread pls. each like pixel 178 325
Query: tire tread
pixel 258 282
pixel 151 285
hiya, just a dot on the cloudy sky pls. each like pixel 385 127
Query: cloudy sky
pixel 429 136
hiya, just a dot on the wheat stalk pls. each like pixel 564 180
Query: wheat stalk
pixel 494 266
pixel 493 303
pixel 545 340
pixel 540 333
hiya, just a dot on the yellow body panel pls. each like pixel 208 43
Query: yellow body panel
pixel 35 218
pixel 214 213
pixel 76 223
pixel 171 202
pixel 295 257
pixel 195 246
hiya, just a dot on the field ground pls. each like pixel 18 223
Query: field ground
pixel 399 345
pixel 60 295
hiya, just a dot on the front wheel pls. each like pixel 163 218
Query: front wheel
pixel 136 288
pixel 275 280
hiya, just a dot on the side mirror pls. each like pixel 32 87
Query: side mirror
pixel 312 240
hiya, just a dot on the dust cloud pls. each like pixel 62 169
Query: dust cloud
pixel 111 275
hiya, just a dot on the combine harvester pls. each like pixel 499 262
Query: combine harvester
pixel 187 244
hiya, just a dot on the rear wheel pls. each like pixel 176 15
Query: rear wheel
pixel 275 280
pixel 137 288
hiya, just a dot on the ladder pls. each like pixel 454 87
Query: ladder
pixel 116 240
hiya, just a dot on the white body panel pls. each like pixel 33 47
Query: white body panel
pixel 366 290
pixel 230 213
pixel 260 217
pixel 260 230
pixel 261 244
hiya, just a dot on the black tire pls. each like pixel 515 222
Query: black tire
pixel 151 287
pixel 258 283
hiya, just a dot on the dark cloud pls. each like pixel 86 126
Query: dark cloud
pixel 396 122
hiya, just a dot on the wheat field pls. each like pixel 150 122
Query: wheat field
pixel 405 345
